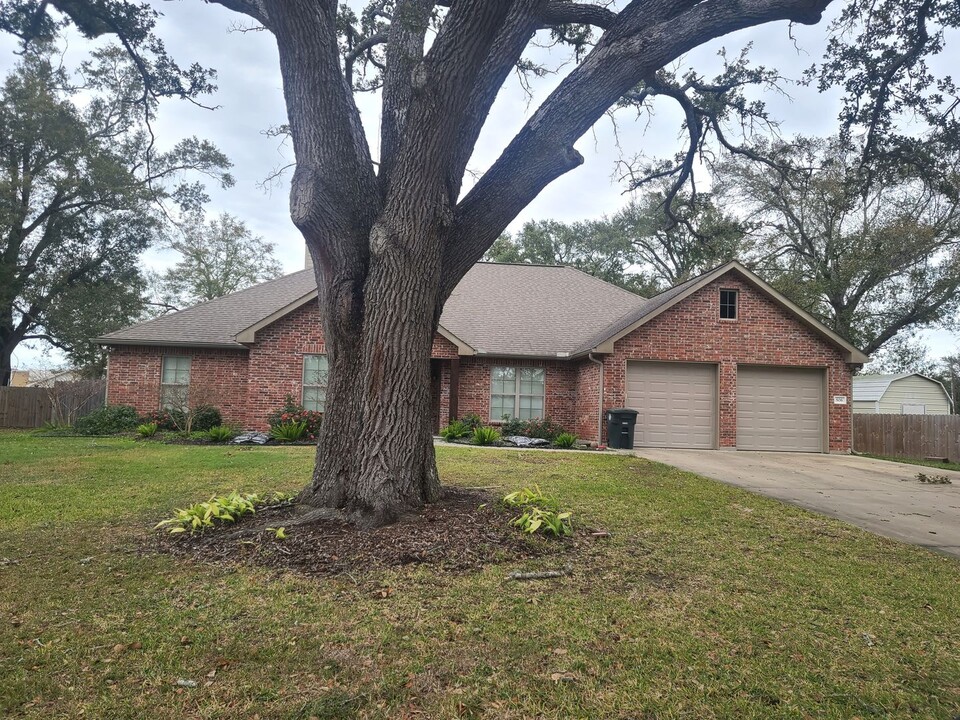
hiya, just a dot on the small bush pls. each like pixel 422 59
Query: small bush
pixel 455 430
pixel 220 433
pixel 204 418
pixel 471 422
pixel 565 440
pixel 527 496
pixel 108 420
pixel 293 412
pixel 545 428
pixel 147 429
pixel 161 418
pixel 485 436
pixel 289 431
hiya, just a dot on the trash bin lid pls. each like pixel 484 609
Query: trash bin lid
pixel 623 411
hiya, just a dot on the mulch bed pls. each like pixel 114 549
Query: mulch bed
pixel 464 531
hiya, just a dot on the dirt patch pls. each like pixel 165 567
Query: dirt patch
pixel 464 531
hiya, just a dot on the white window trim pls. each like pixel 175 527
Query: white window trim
pixel 166 387
pixel 517 394
pixel 303 382
pixel 736 304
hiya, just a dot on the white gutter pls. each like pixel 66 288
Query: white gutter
pixel 600 403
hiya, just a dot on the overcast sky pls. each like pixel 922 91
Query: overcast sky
pixel 250 100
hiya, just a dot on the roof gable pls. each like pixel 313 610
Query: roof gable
pixel 603 342
pixel 871 388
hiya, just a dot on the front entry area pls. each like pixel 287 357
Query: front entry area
pixel 780 409
pixel 676 402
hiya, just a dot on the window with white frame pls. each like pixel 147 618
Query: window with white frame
pixel 314 382
pixel 516 393
pixel 175 382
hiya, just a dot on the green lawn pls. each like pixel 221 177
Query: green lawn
pixel 916 461
pixel 706 602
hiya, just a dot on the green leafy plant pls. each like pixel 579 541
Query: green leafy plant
pixel 485 436
pixel 550 522
pixel 204 515
pixel 147 429
pixel 294 412
pixel 527 496
pixel 279 533
pixel 220 433
pixel 538 512
pixel 289 431
pixel 108 420
pixel 455 430
pixel 565 440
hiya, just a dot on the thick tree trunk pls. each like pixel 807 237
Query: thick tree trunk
pixel 375 457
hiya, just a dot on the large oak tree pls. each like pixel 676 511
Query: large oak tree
pixel 391 238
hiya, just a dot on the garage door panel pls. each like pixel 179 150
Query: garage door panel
pixel 780 409
pixel 675 403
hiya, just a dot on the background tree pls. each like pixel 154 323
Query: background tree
pixel 392 238
pixel 597 247
pixel 79 194
pixel 216 258
pixel 871 250
pixel 676 245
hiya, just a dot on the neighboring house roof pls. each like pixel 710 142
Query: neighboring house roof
pixel 603 341
pixel 506 310
pixel 871 388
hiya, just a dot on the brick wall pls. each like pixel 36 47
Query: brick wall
pixel 133 377
pixel 560 387
pixel 763 334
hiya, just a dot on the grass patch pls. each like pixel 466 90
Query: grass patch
pixel 915 461
pixel 706 601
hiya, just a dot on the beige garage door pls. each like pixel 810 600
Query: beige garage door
pixel 676 403
pixel 779 409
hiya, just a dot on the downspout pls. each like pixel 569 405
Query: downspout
pixel 600 402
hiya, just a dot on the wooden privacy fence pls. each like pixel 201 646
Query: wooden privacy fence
pixel 913 436
pixel 31 407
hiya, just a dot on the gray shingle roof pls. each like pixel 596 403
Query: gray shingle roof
pixel 870 388
pixel 216 323
pixel 497 309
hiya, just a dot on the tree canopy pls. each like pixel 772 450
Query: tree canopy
pixel 79 198
pixel 217 257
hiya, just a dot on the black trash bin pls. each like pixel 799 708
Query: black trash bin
pixel 620 424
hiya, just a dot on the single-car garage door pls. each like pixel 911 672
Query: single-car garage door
pixel 779 409
pixel 676 403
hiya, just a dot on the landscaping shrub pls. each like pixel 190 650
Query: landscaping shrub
pixel 161 418
pixel 565 440
pixel 485 436
pixel 147 429
pixel 220 433
pixel 544 428
pixel 289 431
pixel 293 412
pixel 108 420
pixel 204 418
pixel 455 430
pixel 471 422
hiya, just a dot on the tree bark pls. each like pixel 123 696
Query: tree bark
pixel 375 457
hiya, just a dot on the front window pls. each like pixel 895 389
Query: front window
pixel 314 382
pixel 516 393
pixel 175 383
pixel 728 304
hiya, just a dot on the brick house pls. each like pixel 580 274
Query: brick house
pixel 720 361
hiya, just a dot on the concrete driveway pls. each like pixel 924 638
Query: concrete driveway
pixel 880 496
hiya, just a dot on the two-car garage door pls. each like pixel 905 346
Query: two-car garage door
pixel 778 408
